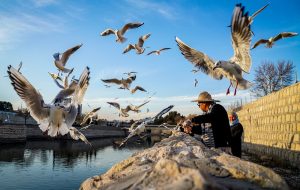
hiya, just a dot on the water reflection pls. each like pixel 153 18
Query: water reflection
pixel 59 163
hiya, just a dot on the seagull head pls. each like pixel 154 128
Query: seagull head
pixel 56 56
pixel 218 64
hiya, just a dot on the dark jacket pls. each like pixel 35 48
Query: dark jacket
pixel 220 125
pixel 236 140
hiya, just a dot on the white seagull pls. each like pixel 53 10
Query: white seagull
pixel 139 46
pixel 60 62
pixel 142 127
pixel 270 42
pixel 137 108
pixel 90 116
pixel 241 60
pixel 137 88
pixel 157 52
pixel 120 32
pixel 124 83
pixel 122 111
pixel 54 119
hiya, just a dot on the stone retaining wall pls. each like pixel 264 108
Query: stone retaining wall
pixel 272 125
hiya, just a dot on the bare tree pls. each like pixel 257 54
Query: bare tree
pixel 271 78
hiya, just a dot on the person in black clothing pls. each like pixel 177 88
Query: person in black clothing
pixel 236 133
pixel 213 126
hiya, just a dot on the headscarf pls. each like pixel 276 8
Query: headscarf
pixel 236 121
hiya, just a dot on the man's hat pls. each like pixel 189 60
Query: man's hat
pixel 205 97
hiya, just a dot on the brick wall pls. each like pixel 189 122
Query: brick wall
pixel 272 125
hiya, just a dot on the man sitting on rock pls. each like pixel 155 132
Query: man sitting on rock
pixel 213 125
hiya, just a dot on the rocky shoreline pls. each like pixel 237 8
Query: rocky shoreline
pixel 182 162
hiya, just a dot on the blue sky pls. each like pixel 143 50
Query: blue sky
pixel 31 31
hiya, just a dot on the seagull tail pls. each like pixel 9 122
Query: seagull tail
pixel 44 125
pixel 121 39
pixel 243 84
pixel 63 129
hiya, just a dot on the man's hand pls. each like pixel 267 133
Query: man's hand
pixel 187 126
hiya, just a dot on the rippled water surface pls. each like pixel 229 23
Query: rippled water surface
pixel 56 164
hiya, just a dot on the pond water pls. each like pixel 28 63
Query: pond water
pixel 57 164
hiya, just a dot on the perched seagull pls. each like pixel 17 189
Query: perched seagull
pixel 122 111
pixel 90 116
pixel 137 108
pixel 139 46
pixel 196 82
pixel 119 33
pixel 142 127
pixel 124 83
pixel 270 42
pixel 53 118
pixel 157 52
pixel 60 62
pixel 137 88
pixel 236 65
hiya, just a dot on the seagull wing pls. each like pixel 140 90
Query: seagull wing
pixel 20 66
pixel 241 38
pixel 59 85
pixel 261 41
pixel 107 32
pixel 114 104
pixel 162 49
pixel 142 39
pixel 151 52
pixel 256 13
pixel 139 106
pixel 284 35
pixel 32 98
pixel 82 85
pixel 114 80
pixel 162 112
pixel 130 26
pixel 65 56
pixel 95 110
pixel 76 135
pixel 128 48
pixel 200 60
pixel 138 88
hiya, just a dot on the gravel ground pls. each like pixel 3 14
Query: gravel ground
pixel 290 174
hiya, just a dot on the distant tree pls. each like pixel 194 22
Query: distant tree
pixel 271 78
pixel 172 118
pixel 5 106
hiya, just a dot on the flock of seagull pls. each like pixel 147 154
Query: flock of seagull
pixel 240 62
pixel 56 118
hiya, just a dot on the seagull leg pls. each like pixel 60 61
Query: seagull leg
pixel 235 88
pixel 228 89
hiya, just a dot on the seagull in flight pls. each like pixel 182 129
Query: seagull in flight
pixel 142 127
pixel 195 82
pixel 137 108
pixel 122 111
pixel 240 62
pixel 139 46
pixel 270 42
pixel 60 62
pixel 90 116
pixel 157 52
pixel 124 83
pixel 55 119
pixel 137 88
pixel 120 32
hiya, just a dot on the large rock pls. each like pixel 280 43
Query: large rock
pixel 182 162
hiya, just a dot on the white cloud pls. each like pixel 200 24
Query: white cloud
pixel 43 3
pixel 161 8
